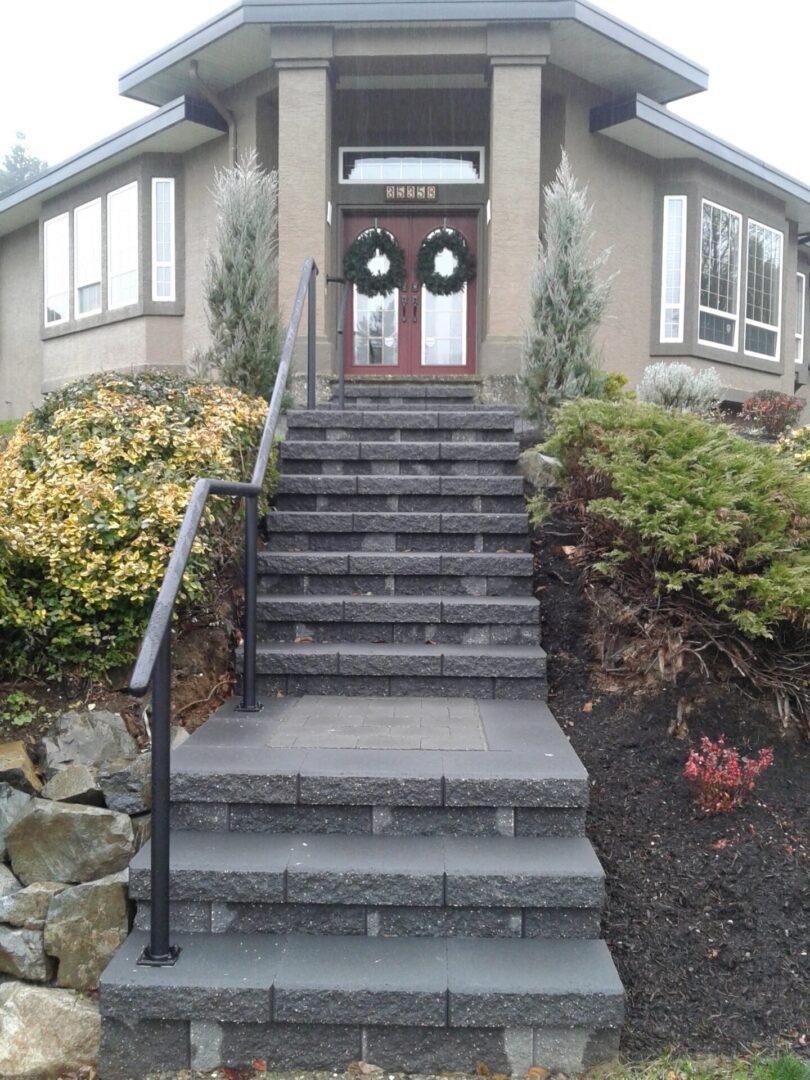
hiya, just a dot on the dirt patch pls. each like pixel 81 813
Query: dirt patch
pixel 708 918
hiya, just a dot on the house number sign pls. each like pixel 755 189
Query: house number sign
pixel 410 193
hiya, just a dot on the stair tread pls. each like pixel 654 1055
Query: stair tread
pixel 456 982
pixel 361 648
pixel 251 853
pixel 384 600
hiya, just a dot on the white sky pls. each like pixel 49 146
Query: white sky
pixel 60 60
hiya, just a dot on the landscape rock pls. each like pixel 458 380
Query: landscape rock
pixel 75 783
pixel 12 804
pixel 22 954
pixel 45 1033
pixel 142 829
pixel 127 785
pixel 68 842
pixel 539 470
pixel 92 738
pixel 17 769
pixel 8 883
pixel 85 926
pixel 27 908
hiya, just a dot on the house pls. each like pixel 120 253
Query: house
pixel 410 116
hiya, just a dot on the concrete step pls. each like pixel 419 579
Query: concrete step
pixel 400 619
pixel 371 669
pixel 335 531
pixel 408 504
pixel 449 458
pixel 417 886
pixel 402 573
pixel 385 424
pixel 335 484
pixel 309 1001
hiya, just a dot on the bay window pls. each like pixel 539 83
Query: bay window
pixel 87 259
pixel 720 254
pixel 56 259
pixel 763 291
pixel 122 246
pixel 801 307
pixel 673 268
pixel 163 239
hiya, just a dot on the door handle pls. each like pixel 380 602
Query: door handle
pixel 404 304
pixel 415 300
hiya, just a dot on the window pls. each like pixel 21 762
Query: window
pixel 87 258
pixel 56 258
pixel 414 164
pixel 719 276
pixel 122 246
pixel 673 268
pixel 163 239
pixel 801 307
pixel 763 291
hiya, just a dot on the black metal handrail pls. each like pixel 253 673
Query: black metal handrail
pixel 154 659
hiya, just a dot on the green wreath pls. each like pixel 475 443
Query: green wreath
pixel 433 244
pixel 362 250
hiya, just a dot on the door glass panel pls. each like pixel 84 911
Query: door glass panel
pixel 375 328
pixel 444 327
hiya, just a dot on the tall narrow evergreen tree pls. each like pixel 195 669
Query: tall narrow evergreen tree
pixel 242 279
pixel 569 296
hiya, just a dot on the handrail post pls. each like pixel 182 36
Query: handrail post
pixel 311 299
pixel 341 346
pixel 160 952
pixel 249 702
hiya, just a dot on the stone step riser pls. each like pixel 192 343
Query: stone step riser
pixel 393 542
pixel 419 610
pixel 223 916
pixel 128 1048
pixel 459 504
pixel 393 433
pixel 511 689
pixel 379 451
pixel 377 820
pixel 387 485
pixel 283 521
pixel 397 468
pixel 399 633
pixel 396 585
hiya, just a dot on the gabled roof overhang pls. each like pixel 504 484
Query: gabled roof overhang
pixel 647 126
pixel 585 40
pixel 179 126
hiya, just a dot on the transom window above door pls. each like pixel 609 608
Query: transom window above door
pixel 453 165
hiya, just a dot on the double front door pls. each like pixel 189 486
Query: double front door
pixel 411 331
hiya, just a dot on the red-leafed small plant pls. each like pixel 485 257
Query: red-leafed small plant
pixel 721 777
pixel 772 411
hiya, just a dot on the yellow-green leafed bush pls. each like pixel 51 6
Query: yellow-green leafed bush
pixel 796 447
pixel 93 487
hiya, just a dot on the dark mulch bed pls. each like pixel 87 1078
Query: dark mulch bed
pixel 708 918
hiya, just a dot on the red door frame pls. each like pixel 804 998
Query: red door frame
pixel 410 228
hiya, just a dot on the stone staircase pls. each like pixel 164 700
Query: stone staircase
pixel 388 862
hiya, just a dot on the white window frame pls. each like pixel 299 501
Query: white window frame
pixel 163 264
pixel 110 196
pixel 801 316
pixel 48 255
pixel 712 311
pixel 680 306
pixel 79 283
pixel 412 150
pixel 752 322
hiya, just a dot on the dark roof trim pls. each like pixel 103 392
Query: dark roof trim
pixel 184 108
pixel 604 117
pixel 300 12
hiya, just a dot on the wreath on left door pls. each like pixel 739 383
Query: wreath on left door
pixel 369 245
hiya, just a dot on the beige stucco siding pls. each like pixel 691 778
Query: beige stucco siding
pixel 20 347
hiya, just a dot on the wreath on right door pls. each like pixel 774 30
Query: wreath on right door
pixel 433 245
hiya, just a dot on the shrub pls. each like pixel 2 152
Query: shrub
pixel 678 386
pixel 771 412
pixel 242 280
pixel 701 538
pixel 569 297
pixel 795 446
pixel 93 486
pixel 721 777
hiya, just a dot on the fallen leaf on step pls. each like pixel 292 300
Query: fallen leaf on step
pixel 482 1069
pixel 260 1065
pixel 538 1071
pixel 568 549
pixel 430 641
pixel 304 641
pixel 364 1068
pixel 588 706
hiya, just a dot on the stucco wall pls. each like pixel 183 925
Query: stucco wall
pixel 152 340
pixel 20 347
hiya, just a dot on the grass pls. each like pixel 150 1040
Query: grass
pixel 786 1067
pixel 6 431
